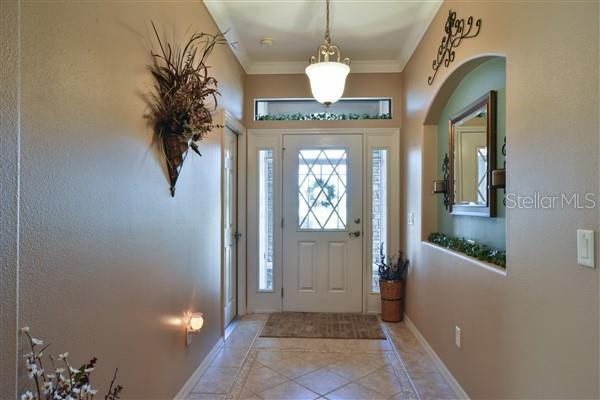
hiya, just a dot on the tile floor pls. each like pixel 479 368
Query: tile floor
pixel 251 367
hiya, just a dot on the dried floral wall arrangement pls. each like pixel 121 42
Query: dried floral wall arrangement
pixel 183 97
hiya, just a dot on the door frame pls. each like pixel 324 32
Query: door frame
pixel 373 138
pixel 224 118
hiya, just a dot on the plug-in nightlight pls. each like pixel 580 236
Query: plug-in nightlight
pixel 195 322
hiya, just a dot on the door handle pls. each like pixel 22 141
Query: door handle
pixel 355 233
pixel 237 236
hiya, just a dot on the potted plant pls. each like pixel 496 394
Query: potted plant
pixel 392 282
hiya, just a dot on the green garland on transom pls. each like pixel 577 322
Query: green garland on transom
pixel 470 248
pixel 324 116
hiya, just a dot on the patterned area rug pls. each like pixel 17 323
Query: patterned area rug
pixel 322 325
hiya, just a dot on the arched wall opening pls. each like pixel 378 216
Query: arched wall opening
pixel 467 82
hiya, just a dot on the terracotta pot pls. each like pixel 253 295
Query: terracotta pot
pixel 392 300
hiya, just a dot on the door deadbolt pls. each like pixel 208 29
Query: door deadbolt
pixel 357 220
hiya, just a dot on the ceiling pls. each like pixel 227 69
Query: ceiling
pixel 377 35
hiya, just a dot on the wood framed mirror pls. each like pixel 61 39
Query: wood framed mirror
pixel 472 153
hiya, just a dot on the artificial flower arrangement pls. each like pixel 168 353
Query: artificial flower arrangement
pixel 57 379
pixel 392 281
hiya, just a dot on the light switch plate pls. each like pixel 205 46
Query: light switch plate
pixel 585 248
pixel 411 218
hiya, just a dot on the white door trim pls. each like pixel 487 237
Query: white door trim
pixel 224 118
pixel 262 301
pixel 388 138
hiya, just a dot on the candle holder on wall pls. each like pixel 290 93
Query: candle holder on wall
pixel 498 180
pixel 440 186
pixel 499 175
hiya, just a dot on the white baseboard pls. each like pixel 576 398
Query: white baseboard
pixel 187 388
pixel 445 372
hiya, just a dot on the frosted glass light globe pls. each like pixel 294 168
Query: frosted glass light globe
pixel 327 80
pixel 196 322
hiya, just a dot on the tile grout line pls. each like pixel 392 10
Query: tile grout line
pixel 246 355
pixel 326 368
pixel 388 335
pixel 234 392
pixel 243 386
pixel 354 381
pixel 224 346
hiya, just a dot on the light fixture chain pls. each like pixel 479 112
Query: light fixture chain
pixel 327 36
pixel 327 78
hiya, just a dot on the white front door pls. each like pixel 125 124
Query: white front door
pixel 322 223
pixel 230 224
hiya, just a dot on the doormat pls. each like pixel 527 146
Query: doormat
pixel 322 325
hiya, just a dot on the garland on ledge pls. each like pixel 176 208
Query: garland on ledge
pixel 470 248
pixel 324 116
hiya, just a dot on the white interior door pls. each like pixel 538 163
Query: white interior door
pixel 230 225
pixel 322 223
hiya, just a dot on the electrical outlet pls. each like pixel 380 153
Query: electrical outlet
pixel 411 218
pixel 457 336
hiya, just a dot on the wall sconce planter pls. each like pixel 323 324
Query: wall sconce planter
pixel 175 151
pixel 180 110
pixel 456 30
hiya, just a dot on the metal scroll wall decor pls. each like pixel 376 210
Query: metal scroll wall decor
pixel 504 173
pixel 456 30
pixel 441 186
pixel 446 172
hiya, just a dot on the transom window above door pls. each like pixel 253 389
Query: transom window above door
pixel 311 110
pixel 322 186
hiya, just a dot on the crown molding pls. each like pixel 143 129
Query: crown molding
pixel 217 11
pixel 428 13
pixel 298 67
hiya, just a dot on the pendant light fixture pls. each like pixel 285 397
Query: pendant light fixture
pixel 327 74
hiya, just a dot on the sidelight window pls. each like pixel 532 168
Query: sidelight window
pixel 265 201
pixel 379 209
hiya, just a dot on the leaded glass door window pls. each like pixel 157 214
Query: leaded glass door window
pixel 322 186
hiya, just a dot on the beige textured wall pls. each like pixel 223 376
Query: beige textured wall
pixel 9 218
pixel 533 333
pixel 108 258
pixel 297 85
